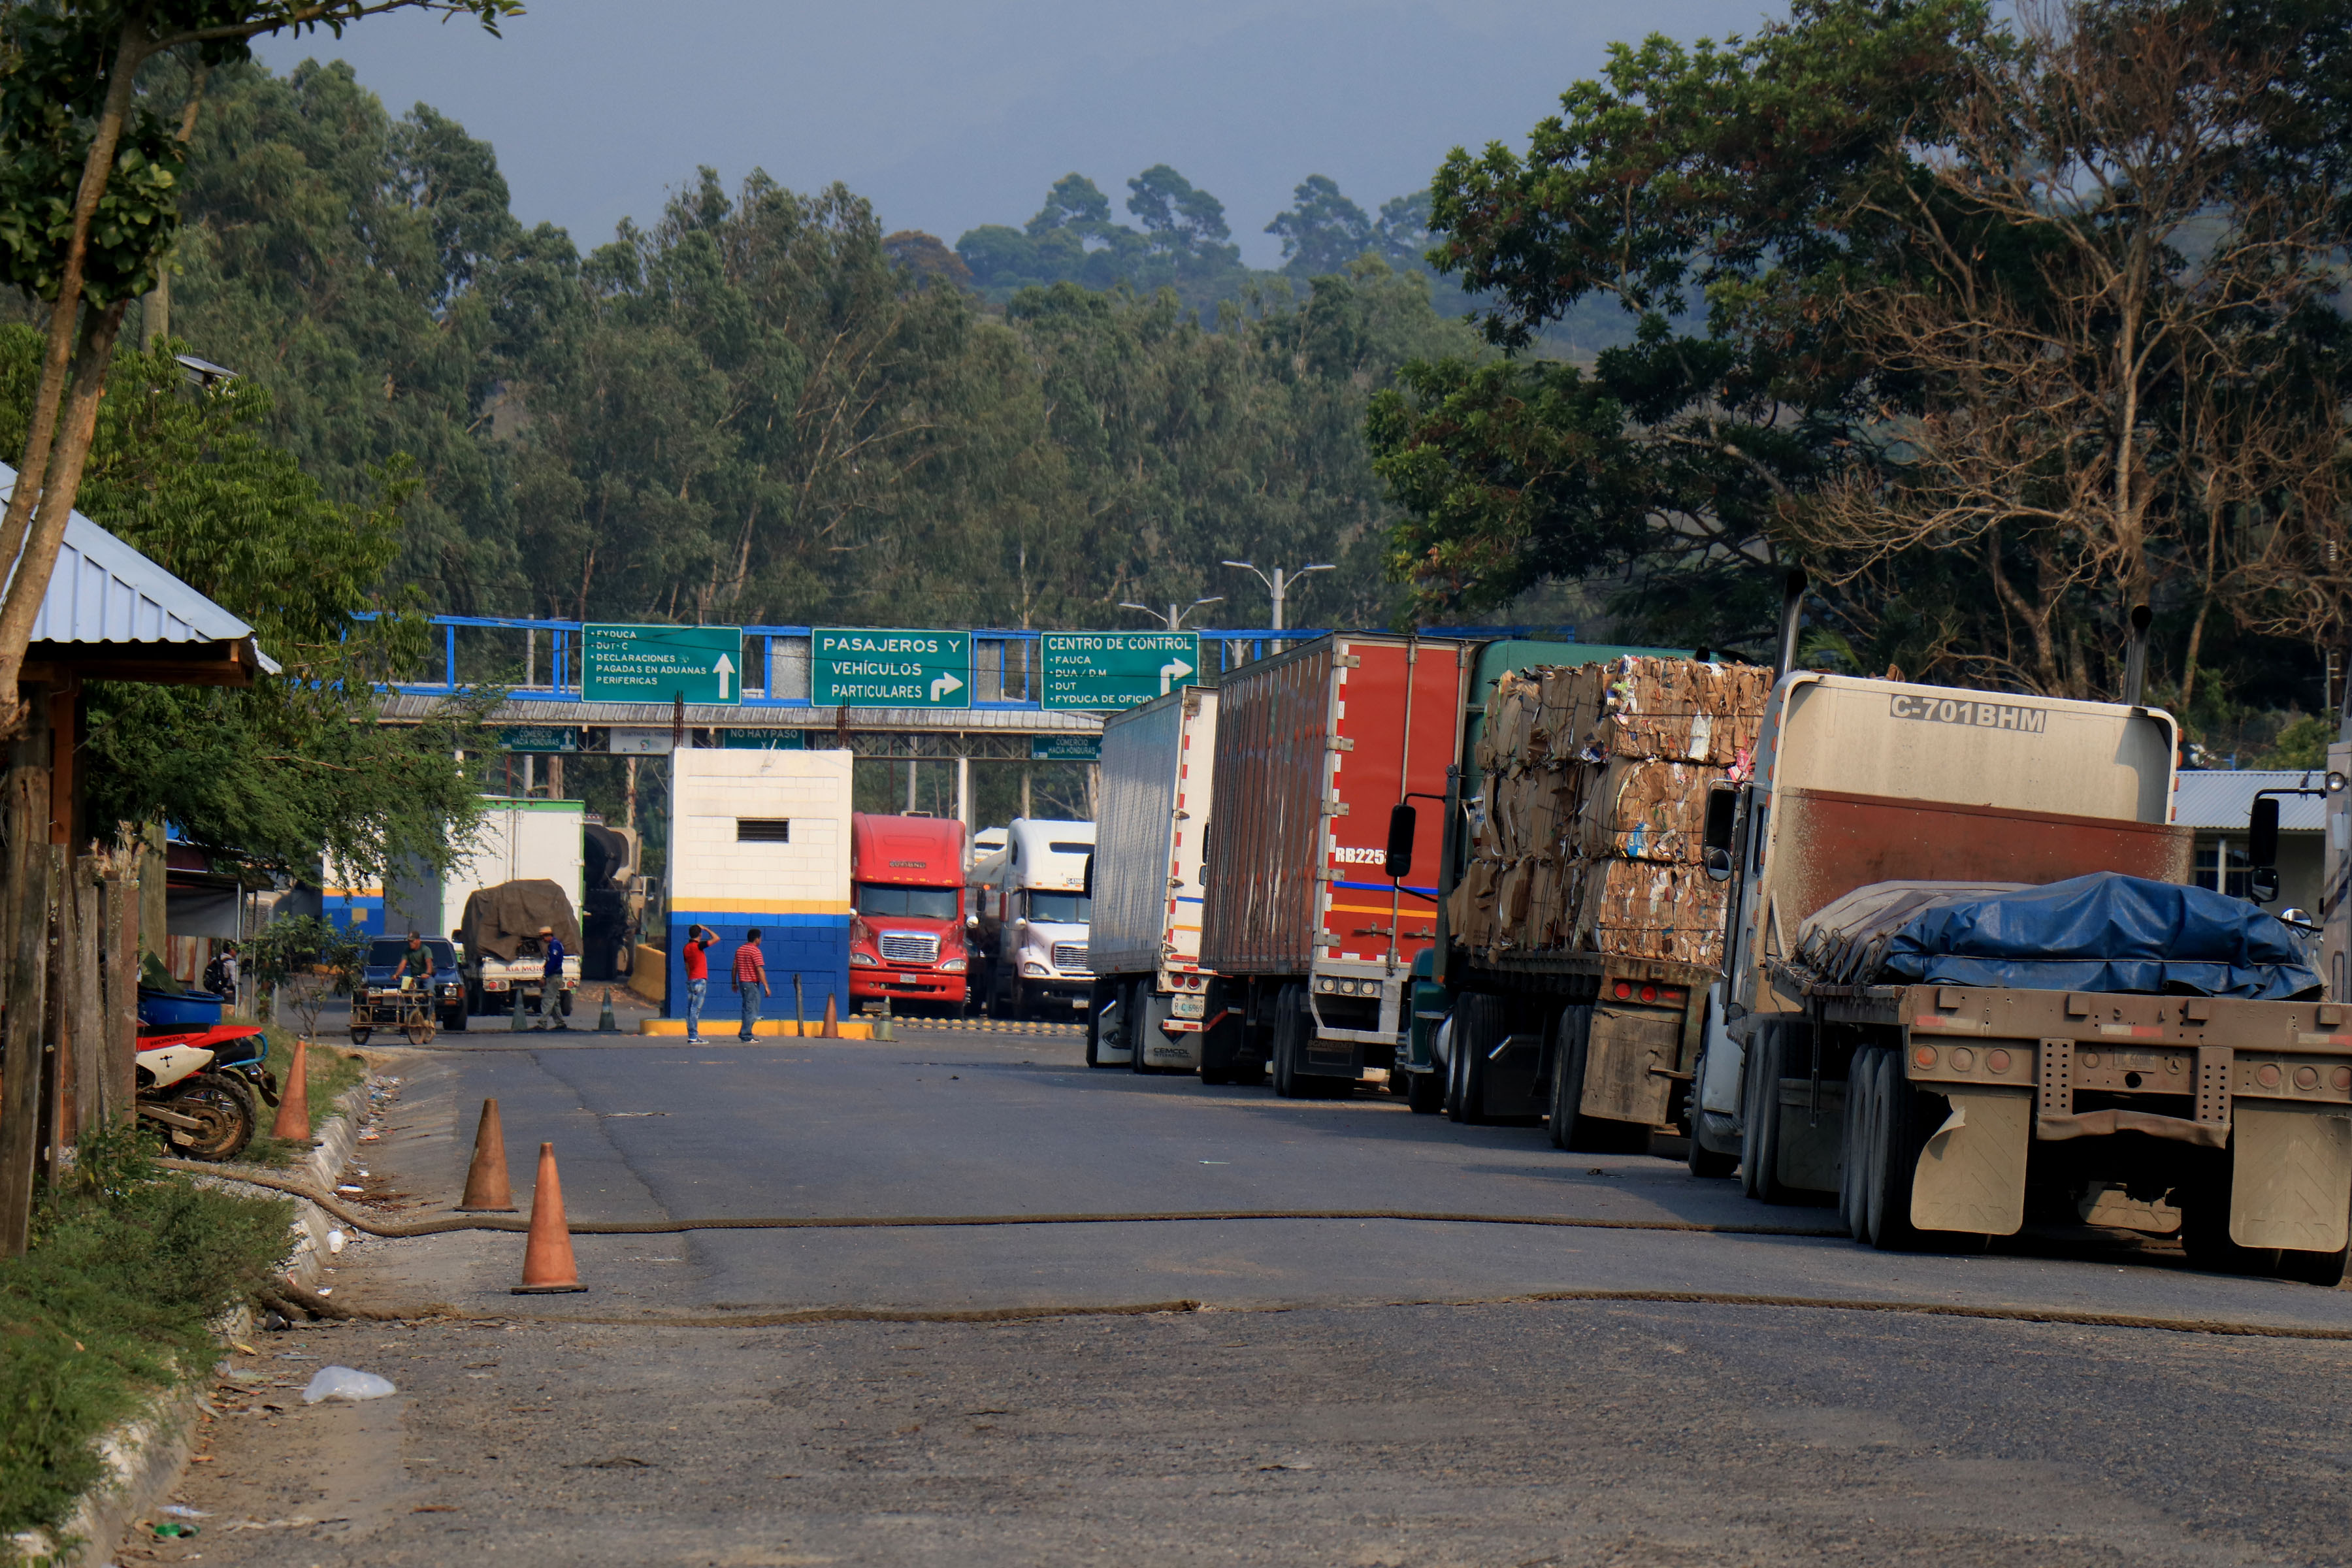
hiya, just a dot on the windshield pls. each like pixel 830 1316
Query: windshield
pixel 1063 908
pixel 386 951
pixel 924 903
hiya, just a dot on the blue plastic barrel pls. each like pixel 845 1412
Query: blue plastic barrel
pixel 178 1010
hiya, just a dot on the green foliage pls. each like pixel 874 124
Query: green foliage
pixel 2302 743
pixel 293 768
pixel 309 960
pixel 112 1304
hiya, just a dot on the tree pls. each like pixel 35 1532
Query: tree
pixel 1322 231
pixel 308 961
pixel 71 122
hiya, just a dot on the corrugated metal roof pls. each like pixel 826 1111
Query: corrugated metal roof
pixel 400 706
pixel 103 591
pixel 2222 797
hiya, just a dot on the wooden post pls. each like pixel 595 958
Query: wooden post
pixel 89 1025
pixel 119 972
pixel 25 909
pixel 58 1105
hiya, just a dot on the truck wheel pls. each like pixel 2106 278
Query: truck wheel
pixel 1853 1145
pixel 1479 1025
pixel 1291 1025
pixel 1573 1033
pixel 1220 1043
pixel 453 1020
pixel 1425 1092
pixel 1449 1066
pixel 1895 1139
pixel 2205 1237
pixel 2324 1270
pixel 1759 1113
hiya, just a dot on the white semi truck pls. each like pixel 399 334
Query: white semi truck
pixel 520 841
pixel 1155 1008
pixel 1028 918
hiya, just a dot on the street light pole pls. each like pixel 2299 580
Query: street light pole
pixel 1279 586
pixel 1175 616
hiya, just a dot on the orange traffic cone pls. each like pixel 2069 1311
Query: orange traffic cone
pixel 487 1191
pixel 832 1029
pixel 294 1101
pixel 547 1266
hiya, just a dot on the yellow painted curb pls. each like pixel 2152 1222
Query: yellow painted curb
pixel 720 1029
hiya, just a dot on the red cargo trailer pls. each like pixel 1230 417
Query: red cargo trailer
pixel 1315 748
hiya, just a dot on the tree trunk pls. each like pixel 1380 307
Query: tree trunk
pixel 120 976
pixel 94 1108
pixel 23 949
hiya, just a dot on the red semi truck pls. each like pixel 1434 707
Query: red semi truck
pixel 906 929
pixel 1320 883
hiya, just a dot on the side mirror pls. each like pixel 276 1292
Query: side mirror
pixel 2263 835
pixel 1722 815
pixel 1086 881
pixel 1717 863
pixel 1396 864
pixel 2263 883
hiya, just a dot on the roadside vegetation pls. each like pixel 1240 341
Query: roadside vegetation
pixel 111 1307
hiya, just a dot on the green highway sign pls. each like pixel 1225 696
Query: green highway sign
pixel 657 664
pixel 539 738
pixel 857 667
pixel 1114 669
pixel 763 739
pixel 1065 747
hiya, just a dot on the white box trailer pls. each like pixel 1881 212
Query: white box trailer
pixel 520 840
pixel 1154 1007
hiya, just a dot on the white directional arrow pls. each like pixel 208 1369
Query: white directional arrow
pixel 943 684
pixel 723 670
pixel 1169 671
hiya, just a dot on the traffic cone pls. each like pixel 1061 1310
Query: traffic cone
pixel 514 1016
pixel 293 1121
pixel 605 1022
pixel 831 1030
pixel 547 1266
pixel 487 1191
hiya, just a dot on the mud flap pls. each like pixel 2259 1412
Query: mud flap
pixel 2290 1176
pixel 1812 1136
pixel 1622 1050
pixel 1971 1175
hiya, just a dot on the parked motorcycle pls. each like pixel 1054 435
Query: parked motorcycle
pixel 199 1084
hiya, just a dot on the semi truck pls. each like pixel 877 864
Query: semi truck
pixel 1579 937
pixel 1326 753
pixel 1966 987
pixel 1028 915
pixel 1155 1007
pixel 906 915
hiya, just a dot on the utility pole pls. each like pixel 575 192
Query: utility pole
pixel 1279 586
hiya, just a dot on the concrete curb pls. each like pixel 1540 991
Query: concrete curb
pixel 146 1455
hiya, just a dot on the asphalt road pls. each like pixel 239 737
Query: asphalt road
pixel 1344 1391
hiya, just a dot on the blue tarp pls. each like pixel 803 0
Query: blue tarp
pixel 2104 932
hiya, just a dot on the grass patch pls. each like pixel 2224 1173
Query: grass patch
pixel 112 1305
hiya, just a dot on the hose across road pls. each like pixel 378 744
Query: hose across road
pixel 376 1226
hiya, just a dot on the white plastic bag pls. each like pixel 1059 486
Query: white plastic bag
pixel 342 1382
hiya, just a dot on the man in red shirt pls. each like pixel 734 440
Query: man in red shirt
pixel 751 979
pixel 698 941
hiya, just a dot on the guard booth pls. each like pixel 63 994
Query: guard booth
pixel 761 838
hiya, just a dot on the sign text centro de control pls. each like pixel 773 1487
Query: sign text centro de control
pixel 1114 669
pixel 657 664
pixel 863 667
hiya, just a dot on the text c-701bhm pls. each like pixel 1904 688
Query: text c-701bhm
pixel 1959 710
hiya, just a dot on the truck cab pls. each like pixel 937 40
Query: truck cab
pixel 906 893
pixel 1029 917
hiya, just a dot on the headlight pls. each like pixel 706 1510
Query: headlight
pixel 1031 966
pixel 1327 984
pixel 868 959
pixel 952 966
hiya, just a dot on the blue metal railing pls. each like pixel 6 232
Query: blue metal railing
pixel 1004 662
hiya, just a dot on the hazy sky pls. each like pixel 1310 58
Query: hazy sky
pixel 951 115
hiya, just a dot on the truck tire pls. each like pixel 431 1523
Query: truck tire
pixel 1896 1132
pixel 2324 1270
pixel 1425 1092
pixel 1853 1144
pixel 1769 1050
pixel 453 1020
pixel 2205 1236
pixel 1479 1025
pixel 1572 1032
pixel 1291 1021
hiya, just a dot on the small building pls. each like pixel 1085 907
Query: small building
pixel 2217 804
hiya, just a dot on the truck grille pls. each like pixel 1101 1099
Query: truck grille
pixel 910 947
pixel 1070 957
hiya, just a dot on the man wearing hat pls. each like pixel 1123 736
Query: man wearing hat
pixel 550 989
